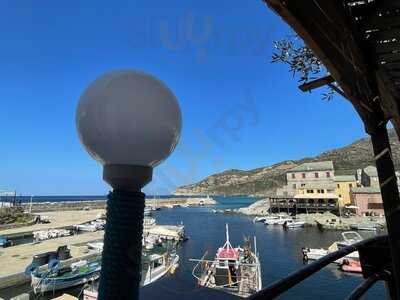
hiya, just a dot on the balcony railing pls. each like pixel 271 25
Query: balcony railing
pixel 375 268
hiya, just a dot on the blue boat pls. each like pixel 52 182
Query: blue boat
pixel 59 278
pixel 4 242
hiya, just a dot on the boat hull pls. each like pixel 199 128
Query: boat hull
pixel 49 285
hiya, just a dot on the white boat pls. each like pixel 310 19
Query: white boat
pixel 97 246
pixel 148 222
pixel 86 227
pixel 261 218
pixel 234 270
pixel 293 224
pixel 156 263
pixel 279 220
pixel 349 238
pixel 43 235
pixel 365 226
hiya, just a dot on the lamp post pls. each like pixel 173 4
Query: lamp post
pixel 129 122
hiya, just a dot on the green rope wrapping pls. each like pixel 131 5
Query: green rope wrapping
pixel 122 252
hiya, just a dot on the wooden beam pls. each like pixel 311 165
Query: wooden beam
pixel 309 86
pixel 390 198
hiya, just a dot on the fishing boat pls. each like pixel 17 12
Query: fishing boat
pixel 234 270
pixel 60 278
pixel 156 263
pixel 293 224
pixel 349 238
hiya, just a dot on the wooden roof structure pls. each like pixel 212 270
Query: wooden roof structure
pixel 359 43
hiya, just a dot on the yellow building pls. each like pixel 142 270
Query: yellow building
pixel 344 184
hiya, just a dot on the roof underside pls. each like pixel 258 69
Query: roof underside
pixel 359 43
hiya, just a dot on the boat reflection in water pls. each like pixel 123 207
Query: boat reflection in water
pixel 235 270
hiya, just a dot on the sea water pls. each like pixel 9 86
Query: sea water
pixel 279 250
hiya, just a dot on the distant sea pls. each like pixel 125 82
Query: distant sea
pixel 223 202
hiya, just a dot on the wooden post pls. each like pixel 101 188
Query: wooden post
pixel 390 198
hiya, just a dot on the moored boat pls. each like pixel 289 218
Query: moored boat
pixel 278 220
pixel 234 270
pixel 365 226
pixel 293 224
pixel 156 263
pixel 349 238
pixel 351 265
pixel 59 278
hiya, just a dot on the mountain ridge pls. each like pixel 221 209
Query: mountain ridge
pixel 264 181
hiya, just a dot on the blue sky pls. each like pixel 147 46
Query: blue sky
pixel 239 110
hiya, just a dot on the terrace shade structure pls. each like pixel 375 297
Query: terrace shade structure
pixel 359 44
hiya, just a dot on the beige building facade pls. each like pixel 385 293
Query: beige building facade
pixel 343 186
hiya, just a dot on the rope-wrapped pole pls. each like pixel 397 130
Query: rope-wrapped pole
pixel 122 252
pixel 121 261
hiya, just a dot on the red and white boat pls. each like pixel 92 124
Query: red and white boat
pixel 235 270
pixel 351 265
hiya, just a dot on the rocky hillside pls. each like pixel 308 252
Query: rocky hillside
pixel 264 181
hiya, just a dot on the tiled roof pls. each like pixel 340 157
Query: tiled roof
pixel 366 190
pixel 314 166
pixel 371 171
pixel 345 178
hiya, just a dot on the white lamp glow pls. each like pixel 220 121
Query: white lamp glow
pixel 128 118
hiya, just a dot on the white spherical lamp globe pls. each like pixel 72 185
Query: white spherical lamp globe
pixel 128 118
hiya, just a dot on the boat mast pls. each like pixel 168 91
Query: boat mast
pixel 227 243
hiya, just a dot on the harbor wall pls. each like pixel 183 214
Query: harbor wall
pixel 101 204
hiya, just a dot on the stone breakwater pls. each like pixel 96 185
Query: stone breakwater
pixel 258 208
pixel 101 204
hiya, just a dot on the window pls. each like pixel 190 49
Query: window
pixel 338 185
pixel 303 185
pixel 294 186
pixel 310 191
pixel 293 175
pixel 303 175
pixel 316 174
pixel 350 185
pixel 328 174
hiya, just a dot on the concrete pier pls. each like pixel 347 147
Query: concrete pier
pixel 14 260
pixel 58 219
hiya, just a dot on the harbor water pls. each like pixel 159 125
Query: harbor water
pixel 280 254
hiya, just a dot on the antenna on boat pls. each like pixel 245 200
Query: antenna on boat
pixel 227 233
pixel 227 243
